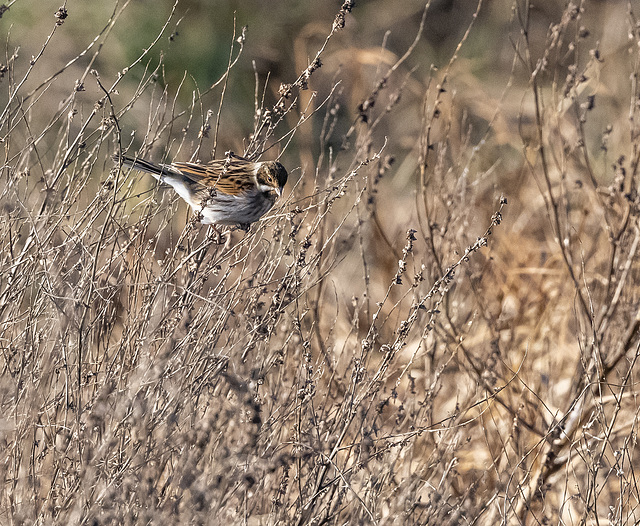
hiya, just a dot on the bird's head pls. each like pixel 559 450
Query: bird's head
pixel 272 176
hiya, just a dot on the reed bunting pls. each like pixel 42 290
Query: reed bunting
pixel 228 191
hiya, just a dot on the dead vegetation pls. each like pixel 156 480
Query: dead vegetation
pixel 438 324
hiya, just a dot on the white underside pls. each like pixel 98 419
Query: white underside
pixel 223 209
pixel 232 210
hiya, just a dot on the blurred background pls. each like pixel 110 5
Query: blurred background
pixel 282 38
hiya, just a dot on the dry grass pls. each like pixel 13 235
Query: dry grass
pixel 438 325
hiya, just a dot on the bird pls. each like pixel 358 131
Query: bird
pixel 229 191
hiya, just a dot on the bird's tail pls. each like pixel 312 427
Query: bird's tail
pixel 159 171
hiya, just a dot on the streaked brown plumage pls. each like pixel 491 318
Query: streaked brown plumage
pixel 227 191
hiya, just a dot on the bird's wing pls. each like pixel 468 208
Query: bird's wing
pixel 230 180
